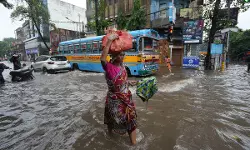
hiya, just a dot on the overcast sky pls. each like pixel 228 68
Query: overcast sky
pixel 7 26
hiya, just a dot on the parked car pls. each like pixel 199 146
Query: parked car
pixel 51 64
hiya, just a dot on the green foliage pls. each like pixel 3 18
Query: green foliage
pixel 5 46
pixel 222 21
pixel 121 21
pixel 214 21
pixel 91 25
pixel 136 21
pixel 102 22
pixel 35 11
pixel 239 43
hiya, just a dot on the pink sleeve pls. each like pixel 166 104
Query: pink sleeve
pixel 107 66
pixel 111 70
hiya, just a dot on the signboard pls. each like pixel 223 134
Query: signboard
pixel 32 51
pixel 193 31
pixel 191 62
pixel 216 48
pixel 223 15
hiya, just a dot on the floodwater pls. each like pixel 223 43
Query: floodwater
pixel 193 110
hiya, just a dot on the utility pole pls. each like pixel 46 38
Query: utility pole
pixel 79 27
pixel 96 18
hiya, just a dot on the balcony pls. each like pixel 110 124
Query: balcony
pixel 160 19
pixel 162 15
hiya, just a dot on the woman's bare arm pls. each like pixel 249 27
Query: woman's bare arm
pixel 106 49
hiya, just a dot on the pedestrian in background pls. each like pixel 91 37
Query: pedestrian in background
pixel 2 67
pixel 248 63
pixel 168 63
pixel 16 62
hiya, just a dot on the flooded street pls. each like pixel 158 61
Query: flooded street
pixel 193 110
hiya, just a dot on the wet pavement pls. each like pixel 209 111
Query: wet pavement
pixel 192 110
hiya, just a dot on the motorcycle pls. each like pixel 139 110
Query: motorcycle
pixel 23 74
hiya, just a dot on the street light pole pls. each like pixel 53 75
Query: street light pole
pixel 227 30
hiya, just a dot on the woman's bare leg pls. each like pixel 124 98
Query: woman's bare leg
pixel 132 137
pixel 110 129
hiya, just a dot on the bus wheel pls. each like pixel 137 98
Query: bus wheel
pixel 75 67
pixel 128 71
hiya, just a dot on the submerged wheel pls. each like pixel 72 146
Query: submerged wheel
pixel 75 67
pixel 128 71
pixel 33 68
pixel 45 70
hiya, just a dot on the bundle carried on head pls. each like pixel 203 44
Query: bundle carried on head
pixel 123 43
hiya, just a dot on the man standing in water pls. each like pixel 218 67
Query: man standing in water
pixel 2 67
pixel 248 63
pixel 16 62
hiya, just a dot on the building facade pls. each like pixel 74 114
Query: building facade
pixel 70 22
pixel 18 45
pixel 161 14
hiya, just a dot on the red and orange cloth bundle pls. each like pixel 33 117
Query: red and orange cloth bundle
pixel 123 43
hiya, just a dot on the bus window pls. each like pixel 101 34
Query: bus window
pixel 140 44
pixel 148 44
pixel 89 47
pixel 100 46
pixel 95 47
pixel 155 45
pixel 71 49
pixel 66 49
pixel 134 46
pixel 60 50
pixel 77 48
pixel 83 47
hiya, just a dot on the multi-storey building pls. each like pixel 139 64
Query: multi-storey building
pixel 18 45
pixel 161 14
pixel 70 20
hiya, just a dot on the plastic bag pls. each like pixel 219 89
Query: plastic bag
pixel 146 88
pixel 124 41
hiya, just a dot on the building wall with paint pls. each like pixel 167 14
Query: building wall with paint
pixel 67 16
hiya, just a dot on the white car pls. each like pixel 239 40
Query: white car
pixel 51 64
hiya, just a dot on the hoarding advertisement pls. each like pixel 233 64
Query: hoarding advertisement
pixel 193 31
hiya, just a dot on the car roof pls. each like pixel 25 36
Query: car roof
pixel 45 56
pixel 52 56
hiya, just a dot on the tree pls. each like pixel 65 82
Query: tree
pixel 5 46
pixel 239 42
pixel 215 22
pixel 35 11
pixel 100 23
pixel 137 19
pixel 121 21
pixel 6 4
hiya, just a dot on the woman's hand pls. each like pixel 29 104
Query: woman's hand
pixel 133 82
pixel 105 51
pixel 112 37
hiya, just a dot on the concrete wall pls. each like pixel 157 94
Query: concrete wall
pixel 60 10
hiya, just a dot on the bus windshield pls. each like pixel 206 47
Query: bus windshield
pixel 148 44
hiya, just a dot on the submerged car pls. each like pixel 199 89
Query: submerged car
pixel 51 64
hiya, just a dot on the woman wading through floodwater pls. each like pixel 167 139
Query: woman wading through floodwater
pixel 120 113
